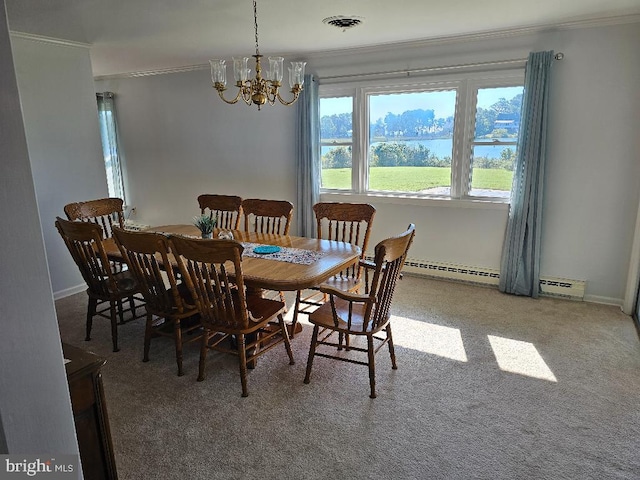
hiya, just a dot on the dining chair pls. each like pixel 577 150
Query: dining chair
pixel 106 212
pixel 104 283
pixel 212 271
pixel 148 255
pixel 362 315
pixel 343 222
pixel 267 216
pixel 226 208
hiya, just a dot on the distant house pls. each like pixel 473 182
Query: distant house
pixel 507 121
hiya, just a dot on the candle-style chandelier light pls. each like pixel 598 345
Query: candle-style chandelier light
pixel 258 90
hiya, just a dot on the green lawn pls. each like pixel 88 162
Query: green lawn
pixel 415 179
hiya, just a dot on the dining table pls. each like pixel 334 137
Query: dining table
pixel 300 263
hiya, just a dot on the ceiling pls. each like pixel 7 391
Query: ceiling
pixel 139 35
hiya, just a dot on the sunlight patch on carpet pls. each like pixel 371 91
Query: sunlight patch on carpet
pixel 429 338
pixel 520 357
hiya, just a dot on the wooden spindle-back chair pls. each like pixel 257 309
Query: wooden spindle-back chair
pixel 267 216
pixel 84 241
pixel 106 212
pixel 212 271
pixel 151 263
pixel 343 222
pixel 362 314
pixel 226 208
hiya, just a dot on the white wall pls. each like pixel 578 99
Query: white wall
pixel 593 174
pixel 31 355
pixel 61 122
pixel 180 141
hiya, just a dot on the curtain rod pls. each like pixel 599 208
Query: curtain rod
pixel 408 73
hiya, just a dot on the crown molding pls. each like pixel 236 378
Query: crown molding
pixel 474 37
pixel 151 73
pixel 429 42
pixel 49 40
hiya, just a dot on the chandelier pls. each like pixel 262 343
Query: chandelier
pixel 258 90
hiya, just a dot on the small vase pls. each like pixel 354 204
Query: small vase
pixel 207 235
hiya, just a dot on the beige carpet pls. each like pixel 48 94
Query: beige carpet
pixel 488 386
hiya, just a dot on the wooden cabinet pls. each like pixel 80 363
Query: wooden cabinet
pixel 90 413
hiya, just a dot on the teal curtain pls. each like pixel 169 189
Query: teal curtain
pixel 308 156
pixel 110 147
pixel 520 266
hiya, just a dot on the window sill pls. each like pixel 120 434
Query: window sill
pixel 446 202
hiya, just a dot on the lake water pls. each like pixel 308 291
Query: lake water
pixel 442 148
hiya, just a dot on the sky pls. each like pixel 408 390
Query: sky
pixel 441 102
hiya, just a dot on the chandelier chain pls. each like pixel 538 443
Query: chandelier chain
pixel 255 22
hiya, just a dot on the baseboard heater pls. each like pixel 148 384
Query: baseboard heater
pixel 134 226
pixel 549 286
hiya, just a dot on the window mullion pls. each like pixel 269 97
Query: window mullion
pixel 460 163
pixel 360 170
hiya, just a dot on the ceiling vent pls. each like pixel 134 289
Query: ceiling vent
pixel 343 22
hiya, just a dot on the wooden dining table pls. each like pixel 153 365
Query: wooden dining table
pixel 263 272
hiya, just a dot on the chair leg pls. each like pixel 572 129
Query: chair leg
pixel 177 336
pixel 120 311
pixel 91 311
pixel 114 326
pixel 312 352
pixel 148 330
pixel 242 350
pixel 296 311
pixel 372 366
pixel 132 306
pixel 343 337
pixel 203 354
pixel 285 337
pixel 392 351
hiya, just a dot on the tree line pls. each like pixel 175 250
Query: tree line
pixel 420 123
pixel 395 154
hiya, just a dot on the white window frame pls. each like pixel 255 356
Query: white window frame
pixel 466 84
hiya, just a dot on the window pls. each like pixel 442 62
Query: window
pixel 110 147
pixel 336 142
pixel 453 138
pixel 497 122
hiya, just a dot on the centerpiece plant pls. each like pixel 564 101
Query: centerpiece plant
pixel 206 224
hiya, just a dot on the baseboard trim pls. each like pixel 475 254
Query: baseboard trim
pixel 602 300
pixel 618 302
pixel 67 292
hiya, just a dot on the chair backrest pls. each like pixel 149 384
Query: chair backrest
pixel 390 255
pixel 84 241
pixel 106 212
pixel 148 256
pixel 212 271
pixel 267 216
pixel 345 222
pixel 226 208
